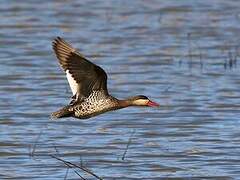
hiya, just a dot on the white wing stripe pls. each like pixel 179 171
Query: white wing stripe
pixel 73 84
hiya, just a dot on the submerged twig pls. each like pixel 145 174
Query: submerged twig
pixel 69 164
pixel 225 63
pixel 230 56
pixel 33 147
pixel 81 161
pixel 200 54
pixel 55 147
pixel 65 177
pixel 189 50
pixel 129 142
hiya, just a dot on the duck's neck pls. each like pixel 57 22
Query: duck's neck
pixel 125 103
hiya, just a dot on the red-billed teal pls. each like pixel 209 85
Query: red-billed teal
pixel 88 83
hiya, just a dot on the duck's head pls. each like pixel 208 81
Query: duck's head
pixel 141 100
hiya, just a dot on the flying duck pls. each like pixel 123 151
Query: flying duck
pixel 88 83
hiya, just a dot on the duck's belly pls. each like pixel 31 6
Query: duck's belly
pixel 89 109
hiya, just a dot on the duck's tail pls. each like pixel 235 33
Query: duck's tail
pixel 63 112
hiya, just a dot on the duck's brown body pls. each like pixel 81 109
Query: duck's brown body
pixel 97 103
pixel 88 83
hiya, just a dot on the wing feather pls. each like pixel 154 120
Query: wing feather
pixel 83 76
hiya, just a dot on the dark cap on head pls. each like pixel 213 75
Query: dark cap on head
pixel 141 97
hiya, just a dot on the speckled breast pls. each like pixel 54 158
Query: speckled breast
pixel 95 104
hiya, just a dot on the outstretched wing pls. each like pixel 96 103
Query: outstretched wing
pixel 83 76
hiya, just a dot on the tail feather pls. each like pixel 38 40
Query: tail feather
pixel 63 112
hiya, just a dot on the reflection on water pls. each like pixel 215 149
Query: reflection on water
pixel 182 54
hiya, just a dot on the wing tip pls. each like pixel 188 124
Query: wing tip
pixel 60 42
pixel 63 51
pixel 56 41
